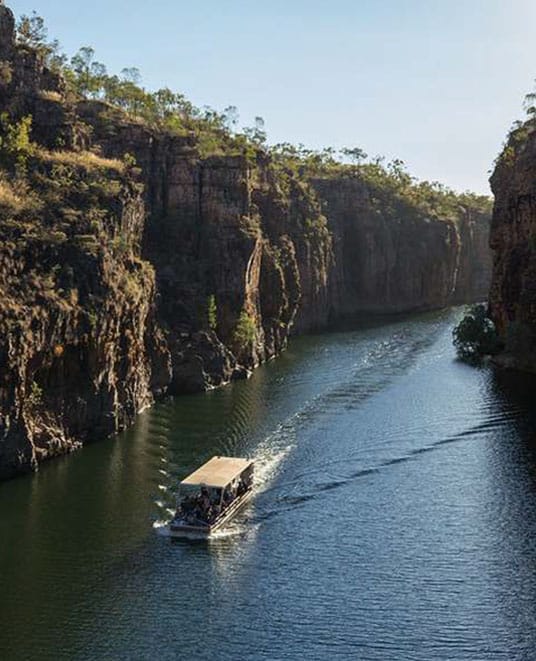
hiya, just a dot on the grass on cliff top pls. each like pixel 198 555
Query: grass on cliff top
pixel 11 199
pixel 217 133
pixel 80 159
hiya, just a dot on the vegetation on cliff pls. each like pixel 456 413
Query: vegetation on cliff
pixel 149 246
pixel 218 133
pixel 512 298
pixel 475 336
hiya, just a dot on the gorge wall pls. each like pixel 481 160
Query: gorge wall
pixel 132 265
pixel 512 300
pixel 390 256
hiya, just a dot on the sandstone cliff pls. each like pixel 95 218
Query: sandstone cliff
pixel 513 239
pixel 80 351
pixel 132 263
pixel 392 256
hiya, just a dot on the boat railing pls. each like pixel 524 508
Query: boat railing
pixel 206 515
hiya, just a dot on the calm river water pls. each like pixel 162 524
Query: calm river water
pixel 395 517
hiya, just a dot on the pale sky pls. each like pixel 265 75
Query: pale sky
pixel 436 83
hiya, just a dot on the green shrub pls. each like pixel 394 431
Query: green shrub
pixel 15 143
pixel 475 336
pixel 36 394
pixel 120 244
pixel 6 73
pixel 245 331
pixel 212 312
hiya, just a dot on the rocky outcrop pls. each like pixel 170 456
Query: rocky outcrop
pixel 227 229
pixel 512 301
pixel 80 350
pixel 132 265
pixel 475 264
pixel 389 256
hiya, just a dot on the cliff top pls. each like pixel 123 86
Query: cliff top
pixel 89 104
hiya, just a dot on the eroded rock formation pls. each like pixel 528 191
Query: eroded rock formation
pixel 513 239
pixel 124 277
pixel 389 256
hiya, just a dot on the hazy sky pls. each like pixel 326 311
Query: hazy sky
pixel 436 83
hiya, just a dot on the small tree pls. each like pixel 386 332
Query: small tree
pixel 212 312
pixel 131 75
pixel 55 59
pixel 81 64
pixel 355 154
pixel 165 103
pixel 31 31
pixel 245 331
pixel 475 336
pixel 15 142
pixel 230 118
pixel 256 133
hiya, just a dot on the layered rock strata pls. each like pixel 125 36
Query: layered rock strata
pixel 132 266
pixel 512 300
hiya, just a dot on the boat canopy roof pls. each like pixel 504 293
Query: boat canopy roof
pixel 218 472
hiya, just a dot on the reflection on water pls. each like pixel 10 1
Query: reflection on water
pixel 394 517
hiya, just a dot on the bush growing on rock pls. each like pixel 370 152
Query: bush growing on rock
pixel 36 394
pixel 212 312
pixel 475 336
pixel 15 143
pixel 245 331
pixel 6 73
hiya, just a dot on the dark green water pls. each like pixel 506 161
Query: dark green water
pixel 395 517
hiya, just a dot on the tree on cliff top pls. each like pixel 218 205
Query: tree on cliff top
pixel 217 132
pixel 257 132
pixel 31 31
pixel 355 154
pixel 88 74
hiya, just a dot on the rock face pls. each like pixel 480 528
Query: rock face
pixel 475 263
pixel 80 350
pixel 119 282
pixel 512 300
pixel 388 258
pixel 230 230
pixel 80 353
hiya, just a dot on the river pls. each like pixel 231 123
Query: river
pixel 395 517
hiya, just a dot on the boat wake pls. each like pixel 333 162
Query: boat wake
pixel 374 366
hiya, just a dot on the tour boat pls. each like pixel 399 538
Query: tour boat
pixel 211 496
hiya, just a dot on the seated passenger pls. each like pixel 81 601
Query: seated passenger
pixel 227 497
pixel 205 500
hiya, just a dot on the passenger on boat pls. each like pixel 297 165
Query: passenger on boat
pixel 201 505
pixel 214 513
pixel 227 497
pixel 205 500
pixel 188 504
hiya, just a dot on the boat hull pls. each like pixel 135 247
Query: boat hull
pixel 177 529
